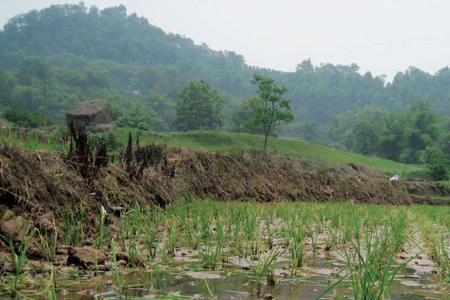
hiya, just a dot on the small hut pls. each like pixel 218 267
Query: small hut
pixel 93 115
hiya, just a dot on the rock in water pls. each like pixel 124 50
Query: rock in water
pixel 85 257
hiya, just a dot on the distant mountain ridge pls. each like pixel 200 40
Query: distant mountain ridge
pixel 110 35
pixel 138 56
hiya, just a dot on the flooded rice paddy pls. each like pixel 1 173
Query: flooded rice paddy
pixel 201 249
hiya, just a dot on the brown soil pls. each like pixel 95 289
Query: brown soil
pixel 38 181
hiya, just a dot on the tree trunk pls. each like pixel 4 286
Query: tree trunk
pixel 45 108
pixel 266 135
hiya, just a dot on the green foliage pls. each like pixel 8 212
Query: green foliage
pixel 199 107
pixel 109 139
pixel 272 108
pixel 135 118
pixel 245 114
pixel 33 69
pixel 437 162
pixel 234 142
pixel 23 118
pixel 398 136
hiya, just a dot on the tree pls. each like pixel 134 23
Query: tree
pixel 273 108
pixel 244 115
pixel 43 73
pixel 366 137
pixel 423 130
pixel 6 86
pixel 37 69
pixel 437 162
pixel 199 107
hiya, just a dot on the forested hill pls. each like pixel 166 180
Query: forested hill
pixel 111 54
pixel 112 35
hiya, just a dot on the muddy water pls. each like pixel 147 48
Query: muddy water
pixel 186 280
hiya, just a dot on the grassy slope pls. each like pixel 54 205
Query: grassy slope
pixel 231 142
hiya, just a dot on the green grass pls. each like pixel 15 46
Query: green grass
pixel 220 141
pixel 232 142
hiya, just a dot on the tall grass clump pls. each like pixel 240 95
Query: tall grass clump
pixel 370 261
pixel 74 225
pixel 172 236
pixel 150 240
pixel 214 247
pixel 49 242
pixel 295 233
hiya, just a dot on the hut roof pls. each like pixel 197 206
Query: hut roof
pixel 89 108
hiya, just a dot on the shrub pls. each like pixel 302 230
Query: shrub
pixel 23 118
pixel 108 139
pixel 437 163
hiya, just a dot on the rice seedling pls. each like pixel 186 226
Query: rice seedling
pixel 434 226
pixel 262 269
pixel 313 234
pixel 172 236
pixel 442 255
pixel 49 290
pixel 116 271
pixel 332 236
pixel 374 271
pixel 295 239
pixel 250 232
pixel 205 225
pixel 210 292
pixel 133 253
pixel 74 225
pixel 150 241
pixel 213 250
pixel 49 242
pixel 18 258
pixel 236 229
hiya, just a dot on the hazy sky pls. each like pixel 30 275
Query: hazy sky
pixel 383 36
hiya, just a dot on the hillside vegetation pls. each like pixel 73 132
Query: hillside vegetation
pixel 123 58
pixel 223 142
pixel 234 142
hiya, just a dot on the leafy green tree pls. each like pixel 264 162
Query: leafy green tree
pixel 244 115
pixel 437 162
pixel 6 85
pixel 422 131
pixel 135 118
pixel 366 137
pixel 199 107
pixel 273 108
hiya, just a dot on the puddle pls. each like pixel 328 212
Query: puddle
pixel 235 282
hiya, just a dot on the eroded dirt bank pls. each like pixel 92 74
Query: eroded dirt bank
pixel 42 182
